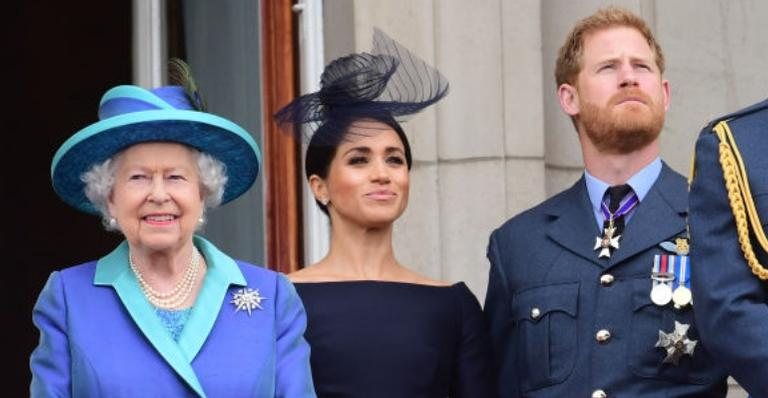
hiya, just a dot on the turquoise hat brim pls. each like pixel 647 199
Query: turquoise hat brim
pixel 219 137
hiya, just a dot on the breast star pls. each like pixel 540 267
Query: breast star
pixel 676 343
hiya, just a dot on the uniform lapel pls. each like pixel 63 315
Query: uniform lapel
pixel 660 216
pixel 573 225
pixel 113 270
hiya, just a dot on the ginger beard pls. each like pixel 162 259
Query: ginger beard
pixel 622 127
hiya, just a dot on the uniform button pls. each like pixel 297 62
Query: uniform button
pixel 602 336
pixel 535 313
pixel 599 394
pixel 606 279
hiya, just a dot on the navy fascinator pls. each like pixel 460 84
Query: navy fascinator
pixel 387 84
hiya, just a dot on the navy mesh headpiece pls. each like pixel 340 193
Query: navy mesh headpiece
pixel 386 84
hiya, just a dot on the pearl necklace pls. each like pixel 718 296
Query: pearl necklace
pixel 180 293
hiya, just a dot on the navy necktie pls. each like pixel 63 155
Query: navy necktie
pixel 616 195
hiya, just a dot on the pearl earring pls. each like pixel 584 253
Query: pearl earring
pixel 201 220
pixel 112 223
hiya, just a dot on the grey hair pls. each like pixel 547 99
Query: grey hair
pixel 100 179
pixel 213 178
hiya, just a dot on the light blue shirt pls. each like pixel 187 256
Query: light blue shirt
pixel 641 183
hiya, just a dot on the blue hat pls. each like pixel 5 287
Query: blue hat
pixel 131 115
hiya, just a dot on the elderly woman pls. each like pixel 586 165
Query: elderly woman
pixel 166 313
pixel 377 328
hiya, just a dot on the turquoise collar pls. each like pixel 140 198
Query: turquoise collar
pixel 222 271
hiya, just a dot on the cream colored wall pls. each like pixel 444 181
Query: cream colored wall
pixel 499 142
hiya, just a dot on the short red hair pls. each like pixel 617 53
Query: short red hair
pixel 569 58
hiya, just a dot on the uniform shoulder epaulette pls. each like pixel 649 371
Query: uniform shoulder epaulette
pixel 760 106
pixel 736 179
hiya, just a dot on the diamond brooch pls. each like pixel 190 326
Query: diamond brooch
pixel 247 299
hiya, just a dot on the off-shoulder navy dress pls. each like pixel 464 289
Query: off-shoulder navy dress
pixel 390 339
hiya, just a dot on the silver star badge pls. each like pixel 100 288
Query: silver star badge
pixel 607 242
pixel 676 343
pixel 247 299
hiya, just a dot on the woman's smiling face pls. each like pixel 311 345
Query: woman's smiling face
pixel 368 180
pixel 157 197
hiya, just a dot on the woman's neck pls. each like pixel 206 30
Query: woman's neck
pixel 361 253
pixel 169 278
pixel 162 263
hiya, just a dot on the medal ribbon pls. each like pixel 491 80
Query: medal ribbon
pixel 672 267
pixel 662 277
pixel 683 272
pixel 657 260
pixel 664 267
pixel 627 204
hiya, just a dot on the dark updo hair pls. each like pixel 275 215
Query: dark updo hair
pixel 324 144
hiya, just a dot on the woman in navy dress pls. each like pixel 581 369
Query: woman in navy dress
pixel 375 327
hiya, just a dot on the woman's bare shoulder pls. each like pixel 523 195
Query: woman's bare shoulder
pixel 419 279
pixel 312 273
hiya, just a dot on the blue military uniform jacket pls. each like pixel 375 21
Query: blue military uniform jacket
pixel 550 296
pixel 731 302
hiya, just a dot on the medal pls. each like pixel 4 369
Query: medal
pixel 682 295
pixel 662 274
pixel 680 266
pixel 661 293
pixel 676 343
pixel 608 242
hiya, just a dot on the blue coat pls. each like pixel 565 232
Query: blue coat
pixel 99 336
pixel 546 303
pixel 731 303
